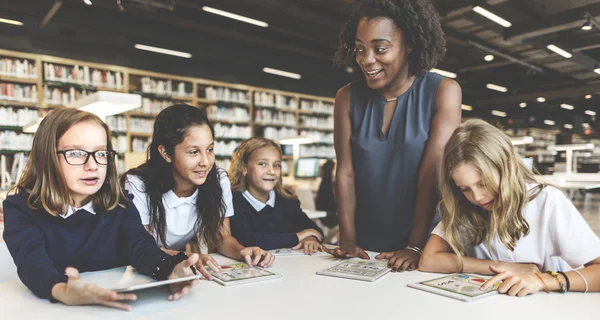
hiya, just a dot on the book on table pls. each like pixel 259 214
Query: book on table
pixel 292 252
pixel 126 279
pixel 460 286
pixel 357 269
pixel 241 273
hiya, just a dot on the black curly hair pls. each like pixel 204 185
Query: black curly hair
pixel 419 21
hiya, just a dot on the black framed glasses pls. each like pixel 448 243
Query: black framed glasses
pixel 77 157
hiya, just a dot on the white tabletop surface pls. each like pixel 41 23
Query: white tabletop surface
pixel 302 295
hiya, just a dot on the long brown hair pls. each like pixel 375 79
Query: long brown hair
pixel 43 178
pixel 491 151
pixel 239 162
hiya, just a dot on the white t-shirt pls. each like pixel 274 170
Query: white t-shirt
pixel 180 213
pixel 559 239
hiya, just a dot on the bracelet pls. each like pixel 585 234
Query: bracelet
pixel 543 282
pixel 554 274
pixel 584 280
pixel 567 279
pixel 415 249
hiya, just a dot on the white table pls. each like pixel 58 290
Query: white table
pixel 315 214
pixel 301 295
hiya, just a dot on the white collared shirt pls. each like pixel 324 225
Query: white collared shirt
pixel 180 213
pixel 89 207
pixel 558 239
pixel 259 205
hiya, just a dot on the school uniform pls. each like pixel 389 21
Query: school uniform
pixel 180 212
pixel 42 245
pixel 559 238
pixel 269 225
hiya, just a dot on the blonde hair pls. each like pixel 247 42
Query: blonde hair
pixel 478 143
pixel 239 162
pixel 43 178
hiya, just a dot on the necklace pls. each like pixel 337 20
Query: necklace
pixel 391 99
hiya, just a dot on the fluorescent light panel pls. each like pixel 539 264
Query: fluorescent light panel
pixel 585 125
pixel 235 16
pixel 588 96
pixel 88 2
pixel 590 112
pixel 489 57
pixel 105 103
pixel 559 51
pixel 541 99
pixel 496 87
pixel 567 106
pixel 282 73
pixel 499 113
pixel 466 107
pixel 444 73
pixel 597 70
pixel 163 51
pixel 568 126
pixel 9 21
pixel 492 16
pixel 549 122
pixel 523 104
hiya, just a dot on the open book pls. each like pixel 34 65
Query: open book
pixel 358 269
pixel 460 286
pixel 292 252
pixel 240 273
pixel 124 279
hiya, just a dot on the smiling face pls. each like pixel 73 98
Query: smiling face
pixel 468 179
pixel 192 159
pixel 381 52
pixel 85 180
pixel 263 172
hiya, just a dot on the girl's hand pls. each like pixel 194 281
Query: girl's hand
pixel 206 260
pixel 181 270
pixel 310 245
pixel 255 256
pixel 345 251
pixel 401 260
pixel 77 292
pixel 518 268
pixel 309 233
pixel 514 284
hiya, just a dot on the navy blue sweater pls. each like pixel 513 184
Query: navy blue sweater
pixel 270 228
pixel 42 245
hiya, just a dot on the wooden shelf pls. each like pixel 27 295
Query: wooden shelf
pixel 206 101
pixel 220 103
pixel 52 106
pixel 12 103
pixel 184 98
pixel 315 128
pixel 63 84
pixel 288 110
pixel 14 128
pixel 246 123
pixel 143 115
pixel 315 113
pixel 287 158
pixel 17 79
pixel 140 134
pixel 101 88
pixel 13 151
pixel 222 156
pixel 262 124
pixel 231 138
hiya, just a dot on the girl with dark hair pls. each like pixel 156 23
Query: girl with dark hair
pixel 70 215
pixel 182 196
pixel 390 129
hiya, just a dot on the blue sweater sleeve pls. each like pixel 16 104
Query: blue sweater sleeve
pixel 141 249
pixel 299 220
pixel 27 246
pixel 242 231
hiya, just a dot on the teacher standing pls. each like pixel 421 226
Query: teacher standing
pixel 390 129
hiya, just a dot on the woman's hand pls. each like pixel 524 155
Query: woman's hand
pixel 345 251
pixel 206 260
pixel 310 245
pixel 181 270
pixel 77 292
pixel 255 256
pixel 401 260
pixel 514 284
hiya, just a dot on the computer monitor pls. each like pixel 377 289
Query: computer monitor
pixel 307 168
pixel 287 149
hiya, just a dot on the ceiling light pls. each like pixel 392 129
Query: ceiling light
pixel 492 16
pixel 567 106
pixel 466 107
pixel 523 104
pixel 568 126
pixel 597 70
pixel 495 87
pixel 444 73
pixel 541 99
pixel 163 51
pixel 349 70
pixel 521 141
pixel 88 2
pixel 588 96
pixel 9 21
pixel 587 26
pixel 235 16
pixel 559 51
pixel 585 125
pixel 549 122
pixel 106 103
pixel 590 112
pixel 499 113
pixel 282 73
pixel 489 57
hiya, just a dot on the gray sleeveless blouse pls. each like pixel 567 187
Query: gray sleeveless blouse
pixel 386 168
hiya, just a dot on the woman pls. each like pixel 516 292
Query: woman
pixel 390 129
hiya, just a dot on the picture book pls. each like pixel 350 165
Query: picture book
pixel 357 269
pixel 240 273
pixel 460 286
pixel 292 252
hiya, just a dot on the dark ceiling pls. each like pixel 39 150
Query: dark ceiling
pixel 302 36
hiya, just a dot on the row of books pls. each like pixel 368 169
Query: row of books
pixel 18 68
pixel 226 94
pixel 63 96
pixel 230 114
pixel 317 136
pixel 268 116
pixel 17 116
pixel 18 92
pixel 232 131
pixel 12 140
pixel 317 122
pixel 83 75
pixel 274 100
pixel 316 106
pixel 317 151
pixel 279 133
pixel 166 87
pixel 139 144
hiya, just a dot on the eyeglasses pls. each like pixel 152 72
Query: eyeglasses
pixel 76 157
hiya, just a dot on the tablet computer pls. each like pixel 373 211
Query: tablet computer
pixel 126 279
